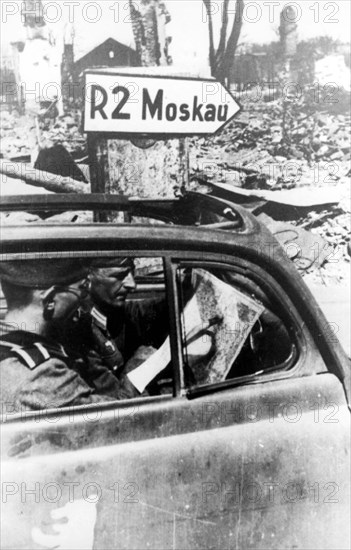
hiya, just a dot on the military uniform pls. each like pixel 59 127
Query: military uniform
pixel 38 373
pixel 121 339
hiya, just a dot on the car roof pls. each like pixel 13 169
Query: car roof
pixel 172 210
pixel 192 221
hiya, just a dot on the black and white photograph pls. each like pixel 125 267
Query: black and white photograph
pixel 175 277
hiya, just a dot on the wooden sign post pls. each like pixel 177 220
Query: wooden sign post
pixel 149 110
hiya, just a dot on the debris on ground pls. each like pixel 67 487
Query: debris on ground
pixel 19 135
pixel 289 159
pixel 57 160
pixel 252 152
pixel 308 251
pixel 38 178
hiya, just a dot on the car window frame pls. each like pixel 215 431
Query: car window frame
pixel 66 412
pixel 300 340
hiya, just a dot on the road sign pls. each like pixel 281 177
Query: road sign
pixel 117 103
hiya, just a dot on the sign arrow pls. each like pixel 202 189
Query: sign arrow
pixel 129 104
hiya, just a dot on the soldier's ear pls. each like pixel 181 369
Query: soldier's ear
pixel 48 294
pixel 48 303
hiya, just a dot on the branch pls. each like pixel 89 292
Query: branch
pixel 233 38
pixel 39 178
pixel 223 36
pixel 210 32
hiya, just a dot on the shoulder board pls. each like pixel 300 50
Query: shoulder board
pixel 33 355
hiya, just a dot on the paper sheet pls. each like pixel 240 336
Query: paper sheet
pixel 146 372
pixel 142 375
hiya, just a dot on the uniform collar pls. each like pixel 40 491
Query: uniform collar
pixel 99 318
pixel 6 327
pixel 10 332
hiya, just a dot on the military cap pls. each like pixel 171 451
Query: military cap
pixel 112 262
pixel 43 273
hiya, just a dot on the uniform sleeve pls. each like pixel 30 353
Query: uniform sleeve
pixel 53 384
pixel 105 382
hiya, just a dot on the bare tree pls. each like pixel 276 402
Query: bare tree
pixel 222 59
pixel 149 19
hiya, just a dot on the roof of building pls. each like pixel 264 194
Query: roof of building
pixel 111 40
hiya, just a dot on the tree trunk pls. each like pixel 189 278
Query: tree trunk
pixel 40 178
pixel 233 40
pixel 148 168
pixel 210 33
pixel 144 23
pixel 222 59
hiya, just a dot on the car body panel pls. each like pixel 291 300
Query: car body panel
pixel 262 466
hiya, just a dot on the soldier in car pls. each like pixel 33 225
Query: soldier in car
pixel 36 371
pixel 123 334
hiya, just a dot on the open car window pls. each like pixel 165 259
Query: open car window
pixel 77 339
pixel 229 328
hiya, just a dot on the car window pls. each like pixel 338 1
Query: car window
pixel 229 327
pixel 78 331
pixel 118 342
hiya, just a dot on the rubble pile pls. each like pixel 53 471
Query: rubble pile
pixel 65 131
pixel 334 227
pixel 21 135
pixel 285 144
pixel 17 136
pixel 280 144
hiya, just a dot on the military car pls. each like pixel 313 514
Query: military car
pixel 240 439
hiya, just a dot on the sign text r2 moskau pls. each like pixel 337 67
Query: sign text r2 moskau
pixel 130 104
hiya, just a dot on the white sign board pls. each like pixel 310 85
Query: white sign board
pixel 118 103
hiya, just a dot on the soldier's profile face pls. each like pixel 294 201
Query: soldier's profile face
pixel 111 285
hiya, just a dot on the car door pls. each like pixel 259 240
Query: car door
pixel 258 460
pixel 276 472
